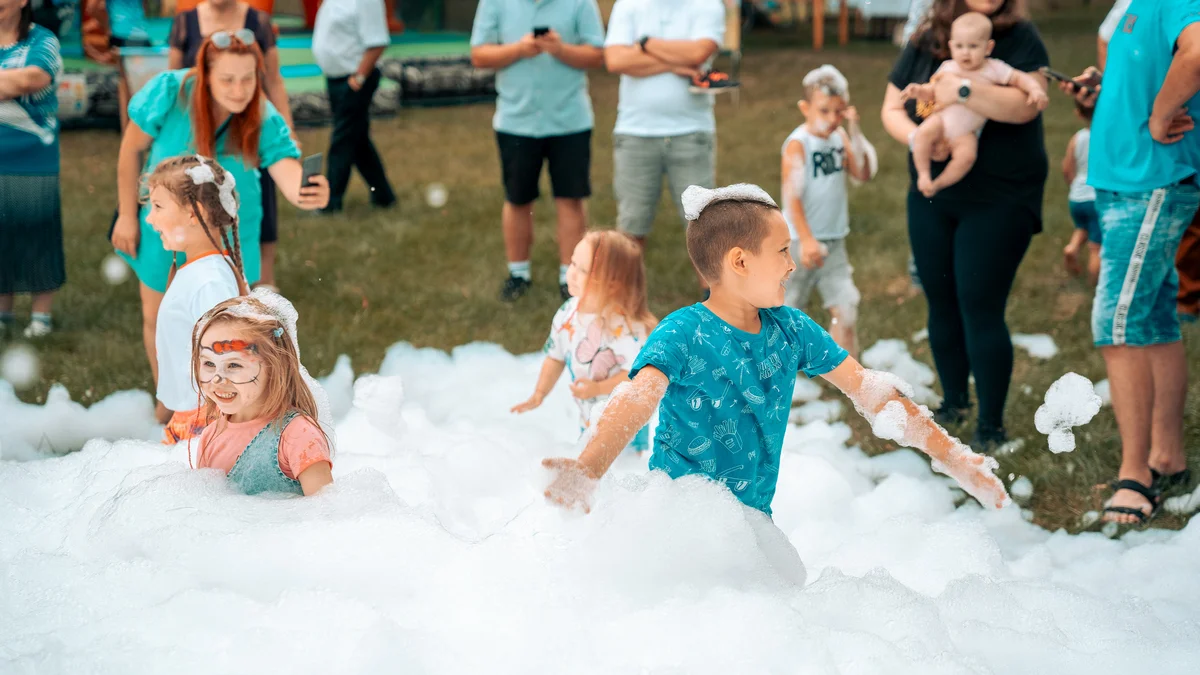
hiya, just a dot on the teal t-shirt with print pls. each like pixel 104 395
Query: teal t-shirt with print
pixel 726 406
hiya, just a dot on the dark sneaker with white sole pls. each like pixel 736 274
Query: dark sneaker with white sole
pixel 514 288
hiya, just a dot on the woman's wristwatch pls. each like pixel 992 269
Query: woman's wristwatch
pixel 964 90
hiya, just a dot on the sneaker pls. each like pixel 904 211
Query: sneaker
pixel 514 288
pixel 37 328
pixel 951 416
pixel 713 82
pixel 565 292
pixel 988 438
pixel 913 277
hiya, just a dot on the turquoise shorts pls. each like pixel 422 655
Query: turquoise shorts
pixel 1135 296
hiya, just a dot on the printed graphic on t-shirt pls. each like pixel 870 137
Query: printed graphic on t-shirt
pixel 828 162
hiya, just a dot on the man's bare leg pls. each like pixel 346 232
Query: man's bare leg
pixel 572 226
pixel 1168 367
pixel 1129 372
pixel 518 231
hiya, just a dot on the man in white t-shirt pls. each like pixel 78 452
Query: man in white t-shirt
pixel 1107 29
pixel 658 47
pixel 349 36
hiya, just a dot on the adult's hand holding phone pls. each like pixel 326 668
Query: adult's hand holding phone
pixel 315 195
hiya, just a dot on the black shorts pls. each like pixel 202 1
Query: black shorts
pixel 270 210
pixel 521 159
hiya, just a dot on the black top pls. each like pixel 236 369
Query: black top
pixel 185 33
pixel 1011 165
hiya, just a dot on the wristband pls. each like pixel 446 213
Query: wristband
pixel 642 43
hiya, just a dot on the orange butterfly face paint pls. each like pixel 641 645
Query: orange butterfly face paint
pixel 229 346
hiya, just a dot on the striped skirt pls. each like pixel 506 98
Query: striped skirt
pixel 31 236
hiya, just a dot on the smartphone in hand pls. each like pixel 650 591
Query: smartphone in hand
pixel 539 31
pixel 313 164
pixel 1055 75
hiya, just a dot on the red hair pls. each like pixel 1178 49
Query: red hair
pixel 246 126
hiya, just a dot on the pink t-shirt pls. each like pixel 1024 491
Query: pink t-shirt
pixel 301 446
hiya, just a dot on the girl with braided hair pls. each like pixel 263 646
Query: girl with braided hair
pixel 193 208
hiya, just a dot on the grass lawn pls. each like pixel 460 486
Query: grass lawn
pixel 368 279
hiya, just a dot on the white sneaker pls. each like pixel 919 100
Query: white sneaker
pixel 37 329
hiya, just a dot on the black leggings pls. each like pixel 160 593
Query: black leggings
pixel 967 255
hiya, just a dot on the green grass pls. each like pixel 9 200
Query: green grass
pixel 368 279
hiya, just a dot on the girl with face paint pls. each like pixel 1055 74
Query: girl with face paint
pixel 264 432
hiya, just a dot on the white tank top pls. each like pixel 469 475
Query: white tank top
pixel 825 200
pixel 1080 190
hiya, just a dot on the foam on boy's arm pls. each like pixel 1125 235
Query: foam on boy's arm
pixel 628 410
pixel 883 399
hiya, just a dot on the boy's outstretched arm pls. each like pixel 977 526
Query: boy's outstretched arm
pixel 629 409
pixel 894 416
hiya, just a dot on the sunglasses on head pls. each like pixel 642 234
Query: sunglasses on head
pixel 223 38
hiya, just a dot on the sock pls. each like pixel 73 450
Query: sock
pixel 41 317
pixel 521 270
pixel 562 274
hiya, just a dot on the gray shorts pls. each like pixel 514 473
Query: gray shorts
pixel 835 279
pixel 639 164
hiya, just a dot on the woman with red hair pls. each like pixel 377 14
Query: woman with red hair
pixel 216 109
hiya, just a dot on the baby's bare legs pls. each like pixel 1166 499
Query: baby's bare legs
pixel 928 134
pixel 962 157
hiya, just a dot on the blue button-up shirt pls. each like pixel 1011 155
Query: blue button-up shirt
pixel 541 96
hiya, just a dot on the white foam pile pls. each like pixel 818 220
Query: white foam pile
pixel 1038 346
pixel 433 552
pixel 892 356
pixel 1070 402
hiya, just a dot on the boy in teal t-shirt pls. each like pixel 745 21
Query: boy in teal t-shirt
pixel 722 372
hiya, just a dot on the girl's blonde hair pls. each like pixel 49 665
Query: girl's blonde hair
pixel 204 199
pixel 283 387
pixel 618 276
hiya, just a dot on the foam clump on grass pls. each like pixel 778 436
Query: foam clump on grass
pixel 1039 346
pixel 434 552
pixel 1070 402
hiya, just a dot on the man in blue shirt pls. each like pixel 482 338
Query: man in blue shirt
pixel 1143 159
pixel 540 50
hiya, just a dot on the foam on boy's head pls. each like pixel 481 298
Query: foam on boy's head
pixel 827 80
pixel 973 25
pixel 723 219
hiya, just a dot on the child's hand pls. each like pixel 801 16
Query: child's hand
pixel 1038 98
pixel 573 483
pixel 533 402
pixel 974 474
pixel 1071 260
pixel 584 389
pixel 812 253
pixel 851 114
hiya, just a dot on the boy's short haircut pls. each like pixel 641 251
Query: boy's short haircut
pixel 723 226
pixel 827 80
pixel 1085 111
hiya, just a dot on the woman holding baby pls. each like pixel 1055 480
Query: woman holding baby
pixel 970 230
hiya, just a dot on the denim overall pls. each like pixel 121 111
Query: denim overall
pixel 257 468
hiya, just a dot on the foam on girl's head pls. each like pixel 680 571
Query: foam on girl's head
pixel 720 220
pixel 827 80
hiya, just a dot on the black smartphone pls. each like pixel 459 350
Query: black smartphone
pixel 313 164
pixel 539 31
pixel 1055 75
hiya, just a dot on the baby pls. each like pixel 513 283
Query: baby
pixel 970 44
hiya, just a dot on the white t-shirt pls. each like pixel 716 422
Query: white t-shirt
pixel 660 105
pixel 591 350
pixel 825 201
pixel 197 287
pixel 344 30
pixel 1109 26
pixel 1080 190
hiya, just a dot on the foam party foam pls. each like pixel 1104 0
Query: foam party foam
pixel 1070 402
pixel 19 366
pixel 434 552
pixel 891 356
pixel 436 195
pixel 114 270
pixel 1039 346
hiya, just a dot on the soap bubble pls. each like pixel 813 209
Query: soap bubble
pixel 19 366
pixel 436 196
pixel 114 269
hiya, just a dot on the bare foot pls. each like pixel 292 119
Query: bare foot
pixel 1071 260
pixel 926 186
pixel 1130 499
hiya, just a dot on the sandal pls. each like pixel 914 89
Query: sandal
pixel 1151 494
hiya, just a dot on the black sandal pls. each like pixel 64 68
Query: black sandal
pixel 1151 494
pixel 1170 482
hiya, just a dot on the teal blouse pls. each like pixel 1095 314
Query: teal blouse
pixel 161 111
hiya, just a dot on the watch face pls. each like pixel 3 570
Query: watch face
pixel 964 91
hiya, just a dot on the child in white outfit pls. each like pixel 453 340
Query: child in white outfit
pixel 970 45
